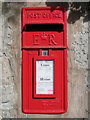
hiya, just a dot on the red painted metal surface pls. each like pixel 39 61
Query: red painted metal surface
pixel 44 28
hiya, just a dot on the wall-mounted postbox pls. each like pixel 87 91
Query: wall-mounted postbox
pixel 44 60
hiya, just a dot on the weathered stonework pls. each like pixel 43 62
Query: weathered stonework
pixel 10 56
pixel 0 59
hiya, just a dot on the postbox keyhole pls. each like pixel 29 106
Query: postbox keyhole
pixel 44 52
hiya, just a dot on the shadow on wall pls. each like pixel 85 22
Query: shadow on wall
pixel 77 10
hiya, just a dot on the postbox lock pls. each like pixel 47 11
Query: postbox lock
pixel 44 52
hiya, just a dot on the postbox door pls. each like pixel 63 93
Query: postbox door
pixel 52 102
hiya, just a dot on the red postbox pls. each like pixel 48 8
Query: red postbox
pixel 44 60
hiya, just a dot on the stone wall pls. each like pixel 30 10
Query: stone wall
pixel 10 57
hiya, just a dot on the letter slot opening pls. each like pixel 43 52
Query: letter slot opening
pixel 43 27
